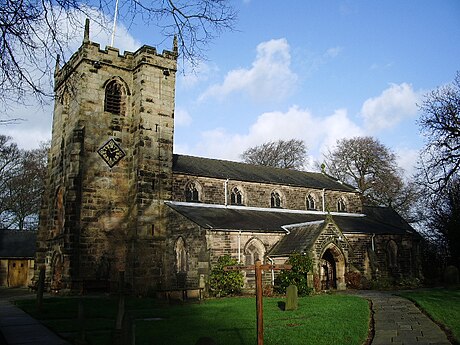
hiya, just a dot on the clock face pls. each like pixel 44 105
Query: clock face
pixel 111 153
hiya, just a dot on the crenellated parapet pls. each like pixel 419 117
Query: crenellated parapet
pixel 91 52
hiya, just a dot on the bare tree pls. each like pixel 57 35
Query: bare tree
pixel 22 176
pixel 288 154
pixel 26 188
pixel 35 32
pixel 10 161
pixel 442 219
pixel 371 167
pixel 440 124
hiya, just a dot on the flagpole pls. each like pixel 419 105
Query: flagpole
pixel 114 23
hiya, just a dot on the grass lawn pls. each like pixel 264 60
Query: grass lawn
pixel 323 319
pixel 443 305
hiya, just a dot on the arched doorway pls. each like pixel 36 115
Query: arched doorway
pixel 332 268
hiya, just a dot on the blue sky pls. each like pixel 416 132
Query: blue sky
pixel 312 70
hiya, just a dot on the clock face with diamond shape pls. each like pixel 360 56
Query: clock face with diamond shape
pixel 111 153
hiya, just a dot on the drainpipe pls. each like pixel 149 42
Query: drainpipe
pixel 372 242
pixel 273 271
pixel 226 192
pixel 239 247
pixel 324 199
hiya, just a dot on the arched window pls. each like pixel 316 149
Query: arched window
pixel 236 197
pixel 392 253
pixel 191 192
pixel 114 101
pixel 181 255
pixel 341 205
pixel 275 200
pixel 254 251
pixel 311 202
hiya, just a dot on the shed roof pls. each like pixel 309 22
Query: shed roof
pixel 206 167
pixel 17 243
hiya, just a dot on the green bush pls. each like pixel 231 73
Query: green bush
pixel 223 283
pixel 301 265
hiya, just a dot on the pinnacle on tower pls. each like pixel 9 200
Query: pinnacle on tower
pixel 86 34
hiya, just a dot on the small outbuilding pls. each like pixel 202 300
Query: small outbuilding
pixel 17 252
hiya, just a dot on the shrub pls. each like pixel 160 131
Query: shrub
pixel 223 283
pixel 301 265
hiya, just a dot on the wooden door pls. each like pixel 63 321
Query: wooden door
pixel 17 273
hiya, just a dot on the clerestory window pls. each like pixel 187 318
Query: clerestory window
pixel 311 203
pixel 236 197
pixel 191 193
pixel 341 205
pixel 275 200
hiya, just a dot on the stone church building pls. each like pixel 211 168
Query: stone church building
pixel 118 199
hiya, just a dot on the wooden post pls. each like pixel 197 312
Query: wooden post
pixel 40 288
pixel 258 267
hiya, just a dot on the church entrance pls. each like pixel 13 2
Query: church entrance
pixel 332 269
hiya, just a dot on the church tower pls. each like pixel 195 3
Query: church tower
pixel 110 168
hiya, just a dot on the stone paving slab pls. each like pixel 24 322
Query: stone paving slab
pixel 399 322
pixel 19 328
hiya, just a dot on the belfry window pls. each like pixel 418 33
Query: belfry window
pixel 191 193
pixel 114 98
pixel 236 197
pixel 275 200
pixel 311 203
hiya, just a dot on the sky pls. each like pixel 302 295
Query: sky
pixel 317 70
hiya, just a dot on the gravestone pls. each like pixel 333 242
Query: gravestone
pixel 291 298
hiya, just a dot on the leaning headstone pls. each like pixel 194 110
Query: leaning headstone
pixel 291 298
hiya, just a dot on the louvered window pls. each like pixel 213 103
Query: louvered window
pixel 114 98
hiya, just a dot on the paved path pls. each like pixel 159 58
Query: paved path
pixel 18 328
pixel 399 321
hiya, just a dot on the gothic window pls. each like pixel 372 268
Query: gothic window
pixel 191 192
pixel 311 203
pixel 254 251
pixel 275 200
pixel 114 98
pixel 392 254
pixel 236 197
pixel 181 255
pixel 341 205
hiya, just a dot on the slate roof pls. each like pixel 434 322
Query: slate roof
pixel 299 240
pixel 215 168
pixel 17 244
pixel 379 220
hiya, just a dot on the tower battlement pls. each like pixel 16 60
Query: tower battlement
pixel 92 53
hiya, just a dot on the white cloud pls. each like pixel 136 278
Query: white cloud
pixel 269 78
pixel 182 117
pixel 407 159
pixel 333 52
pixel 392 106
pixel 317 132
pixel 193 75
